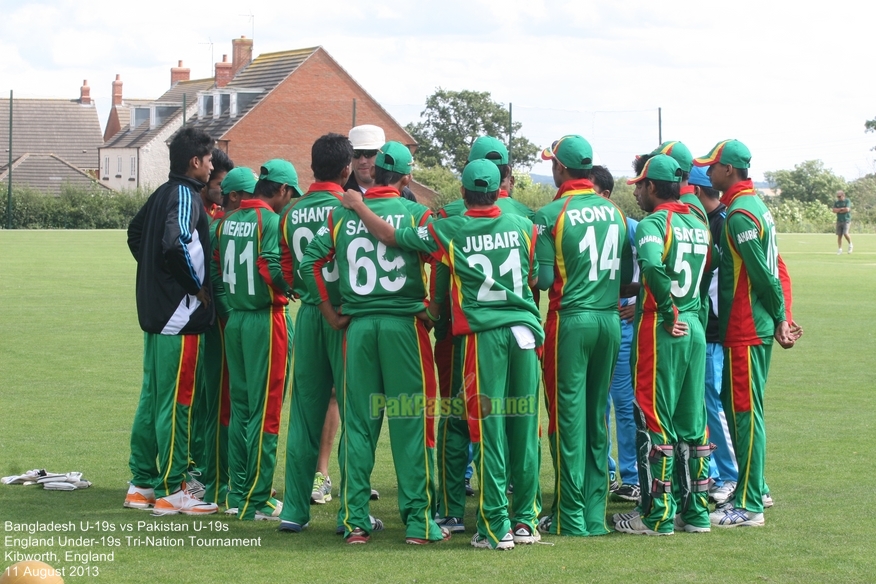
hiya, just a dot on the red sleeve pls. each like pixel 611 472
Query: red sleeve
pixel 785 279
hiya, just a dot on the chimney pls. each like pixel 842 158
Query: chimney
pixel 223 72
pixel 85 93
pixel 117 90
pixel 179 73
pixel 241 54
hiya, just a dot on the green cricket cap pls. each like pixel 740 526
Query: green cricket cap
pixel 732 152
pixel 489 148
pixel 678 151
pixel 481 176
pixel 659 167
pixel 572 151
pixel 240 179
pixel 280 171
pixel 395 157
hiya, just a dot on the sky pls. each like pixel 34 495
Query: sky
pixel 789 80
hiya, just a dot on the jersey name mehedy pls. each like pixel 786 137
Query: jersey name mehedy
pixel 491 241
pixel 238 228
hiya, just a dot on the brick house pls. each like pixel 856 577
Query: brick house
pixel 277 105
pixel 54 142
pixel 136 153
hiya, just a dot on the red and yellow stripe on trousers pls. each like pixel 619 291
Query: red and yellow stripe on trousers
pixel 278 355
pixel 430 386
pixel 184 391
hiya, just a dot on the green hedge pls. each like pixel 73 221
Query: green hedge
pixel 74 208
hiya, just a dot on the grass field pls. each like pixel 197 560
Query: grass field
pixel 70 372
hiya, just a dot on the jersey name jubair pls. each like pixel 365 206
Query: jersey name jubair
pixel 299 222
pixel 373 278
pixel 674 249
pixel 249 257
pixel 491 257
pixel 751 298
pixel 584 237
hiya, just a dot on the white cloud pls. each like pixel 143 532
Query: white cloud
pixel 788 82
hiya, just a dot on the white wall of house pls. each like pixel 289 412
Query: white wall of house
pixel 155 156
pixel 119 168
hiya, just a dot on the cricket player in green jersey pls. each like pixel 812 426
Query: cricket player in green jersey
pixel 202 481
pixel 489 257
pixel 388 364
pixel 318 358
pixel 684 158
pixel 237 184
pixel 257 338
pixel 754 306
pixel 584 256
pixel 453 443
pixel 674 249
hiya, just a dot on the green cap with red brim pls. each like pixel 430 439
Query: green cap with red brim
pixel 732 152
pixel 678 151
pixel 660 167
pixel 395 157
pixel 571 151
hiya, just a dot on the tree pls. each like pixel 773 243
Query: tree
pixel 809 181
pixel 870 126
pixel 453 120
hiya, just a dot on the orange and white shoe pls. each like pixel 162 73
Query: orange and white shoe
pixel 182 502
pixel 139 498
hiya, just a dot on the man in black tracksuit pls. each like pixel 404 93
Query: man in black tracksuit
pixel 169 238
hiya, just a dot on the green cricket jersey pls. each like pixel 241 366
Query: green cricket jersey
pixel 219 296
pixel 299 222
pixel 674 248
pixel 753 283
pixel 504 202
pixel 248 240
pixel 491 257
pixel 693 202
pixel 843 217
pixel 584 237
pixel 374 278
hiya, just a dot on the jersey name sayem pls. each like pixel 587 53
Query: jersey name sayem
pixel 354 227
pixel 491 241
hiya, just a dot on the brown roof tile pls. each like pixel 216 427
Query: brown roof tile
pixel 62 127
pixel 46 173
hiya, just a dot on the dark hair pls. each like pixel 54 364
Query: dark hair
pixel 385 177
pixel 742 172
pixel 266 189
pixel 602 178
pixel 684 176
pixel 479 198
pixel 710 192
pixel 666 190
pixel 639 163
pixel 504 169
pixel 579 172
pixel 187 144
pixel 329 155
pixel 221 163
